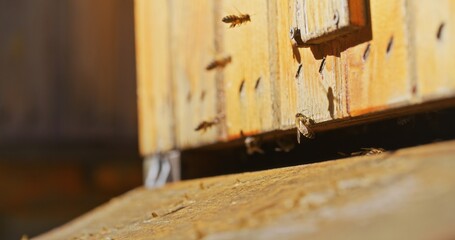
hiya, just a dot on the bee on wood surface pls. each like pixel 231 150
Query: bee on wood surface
pixel 235 20
pixel 253 145
pixel 219 63
pixel 368 151
pixel 302 123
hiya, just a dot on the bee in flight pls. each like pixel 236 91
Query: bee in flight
pixel 219 63
pixel 204 125
pixel 235 20
pixel 302 123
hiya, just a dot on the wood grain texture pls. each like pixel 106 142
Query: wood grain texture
pixel 320 21
pixel 377 73
pixel 378 69
pixel 192 42
pixel 354 198
pixel 308 78
pixel 433 34
pixel 155 104
pixel 247 82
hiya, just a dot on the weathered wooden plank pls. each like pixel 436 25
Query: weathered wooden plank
pixel 248 81
pixel 411 188
pixel 192 42
pixel 433 34
pixel 156 119
pixel 377 73
pixel 309 79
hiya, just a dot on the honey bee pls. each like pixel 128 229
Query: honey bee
pixel 219 63
pixel 302 123
pixel 368 151
pixel 204 125
pixel 235 20
pixel 253 145
pixel 321 67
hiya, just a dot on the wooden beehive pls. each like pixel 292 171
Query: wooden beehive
pixel 392 60
pixel 336 62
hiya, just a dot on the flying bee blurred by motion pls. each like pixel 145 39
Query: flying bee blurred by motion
pixel 219 63
pixel 204 125
pixel 235 20
pixel 302 123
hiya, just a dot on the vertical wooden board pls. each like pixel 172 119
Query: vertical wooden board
pixel 320 87
pixel 377 74
pixel 192 49
pixel 433 28
pixel 288 59
pixel 308 84
pixel 153 71
pixel 247 79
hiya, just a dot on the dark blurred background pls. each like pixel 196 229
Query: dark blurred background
pixel 68 125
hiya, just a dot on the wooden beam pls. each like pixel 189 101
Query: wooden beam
pixel 411 188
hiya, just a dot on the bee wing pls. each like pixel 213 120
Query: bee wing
pixel 304 130
pixel 236 9
pixel 298 136
pixel 310 134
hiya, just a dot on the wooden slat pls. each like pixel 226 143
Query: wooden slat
pixel 377 74
pixel 192 43
pixel 248 81
pixel 433 34
pixel 411 188
pixel 154 79
pixel 305 86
